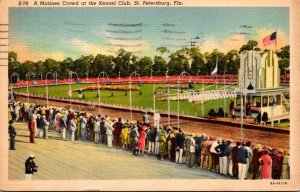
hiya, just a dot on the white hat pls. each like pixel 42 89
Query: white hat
pixel 31 155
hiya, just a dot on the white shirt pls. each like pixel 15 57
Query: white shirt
pixel 156 116
pixel 192 145
pixel 213 146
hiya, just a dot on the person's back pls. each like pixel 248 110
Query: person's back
pixel 242 155
pixel 179 140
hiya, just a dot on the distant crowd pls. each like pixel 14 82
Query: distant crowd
pixel 240 160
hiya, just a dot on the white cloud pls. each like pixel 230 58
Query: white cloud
pixel 87 48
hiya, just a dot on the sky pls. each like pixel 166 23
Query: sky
pixel 40 33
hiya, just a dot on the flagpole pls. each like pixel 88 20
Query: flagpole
pixel 276 40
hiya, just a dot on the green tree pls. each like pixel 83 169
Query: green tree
pixel 251 45
pixel 144 66
pixel 82 65
pixel 13 64
pixel 159 66
pixel 232 62
pixel 178 62
pixel 284 58
pixel 65 66
pixel 197 61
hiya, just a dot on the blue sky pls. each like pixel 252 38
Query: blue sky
pixel 39 33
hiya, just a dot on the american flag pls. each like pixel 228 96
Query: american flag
pixel 269 39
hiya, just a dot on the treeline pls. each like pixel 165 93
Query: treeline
pixel 124 63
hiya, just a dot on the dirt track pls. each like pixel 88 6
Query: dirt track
pixel 272 139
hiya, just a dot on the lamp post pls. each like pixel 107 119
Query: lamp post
pixel 47 94
pixel 166 74
pixel 224 93
pixel 41 76
pixel 98 86
pixel 11 83
pixel 178 83
pixel 70 86
pixel 242 108
pixel 130 96
pixel 28 78
pixel 55 75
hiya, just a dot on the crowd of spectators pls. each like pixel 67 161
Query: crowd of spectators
pixel 236 159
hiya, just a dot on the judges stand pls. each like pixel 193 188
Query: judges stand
pixel 259 87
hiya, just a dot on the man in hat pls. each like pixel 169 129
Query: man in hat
pixel 45 127
pixel 83 123
pixel 242 161
pixel 30 167
pixel 234 155
pixel 151 134
pixel 257 153
pixel 12 135
pixel 97 128
pixel 192 151
pixel 222 157
pixel 277 164
pixel 102 130
pixel 117 132
pixel 63 125
pixel 179 145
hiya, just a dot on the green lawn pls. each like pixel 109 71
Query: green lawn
pixel 145 100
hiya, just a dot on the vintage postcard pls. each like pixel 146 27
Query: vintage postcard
pixel 153 95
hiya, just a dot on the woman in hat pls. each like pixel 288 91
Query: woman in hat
pixel 162 144
pixel 124 136
pixel 141 143
pixel 31 128
pixel 266 162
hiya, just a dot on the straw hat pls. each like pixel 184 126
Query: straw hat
pixel 31 155
pixel 258 146
pixel 281 150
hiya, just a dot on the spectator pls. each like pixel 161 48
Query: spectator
pixel 12 135
pixel 205 152
pixel 141 142
pixel 192 152
pixel 266 162
pixel 214 154
pixel 242 161
pixel 277 165
pixel 179 145
pixel 30 167
pixel 45 127
pixel 257 153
